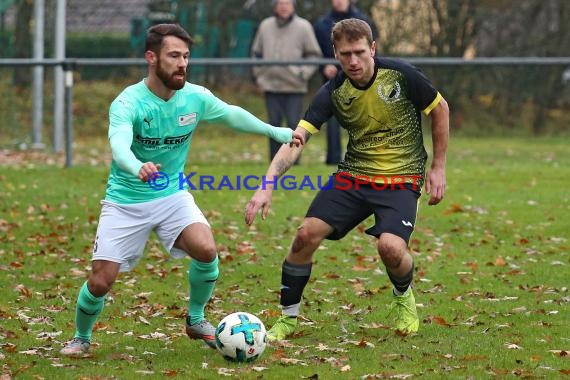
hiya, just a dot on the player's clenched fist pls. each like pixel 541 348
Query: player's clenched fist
pixel 147 169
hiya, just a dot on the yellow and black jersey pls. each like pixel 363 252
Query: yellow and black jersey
pixel 383 119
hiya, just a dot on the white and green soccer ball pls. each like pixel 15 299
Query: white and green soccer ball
pixel 240 337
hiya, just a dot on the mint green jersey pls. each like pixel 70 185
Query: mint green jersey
pixel 144 127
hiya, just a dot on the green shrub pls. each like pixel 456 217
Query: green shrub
pixel 100 45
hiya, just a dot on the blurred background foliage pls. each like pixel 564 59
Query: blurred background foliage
pixel 497 99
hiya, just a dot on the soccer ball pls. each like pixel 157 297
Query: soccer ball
pixel 240 337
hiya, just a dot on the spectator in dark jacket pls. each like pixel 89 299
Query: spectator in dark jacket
pixel 340 10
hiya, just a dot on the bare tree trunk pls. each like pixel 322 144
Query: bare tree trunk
pixel 23 40
pixel 438 38
pixel 554 14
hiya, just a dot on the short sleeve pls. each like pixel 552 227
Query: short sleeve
pixel 320 109
pixel 421 91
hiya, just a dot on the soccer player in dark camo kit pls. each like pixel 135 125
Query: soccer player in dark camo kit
pixel 379 102
pixel 151 125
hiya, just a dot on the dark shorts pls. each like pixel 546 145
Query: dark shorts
pixel 345 207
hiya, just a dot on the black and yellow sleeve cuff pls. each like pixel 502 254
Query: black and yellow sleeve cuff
pixel 433 104
pixel 308 127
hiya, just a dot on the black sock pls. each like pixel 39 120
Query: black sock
pixel 402 283
pixel 294 277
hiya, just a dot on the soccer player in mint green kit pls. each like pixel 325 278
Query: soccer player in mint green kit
pixel 151 125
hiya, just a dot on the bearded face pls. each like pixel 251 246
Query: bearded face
pixel 173 78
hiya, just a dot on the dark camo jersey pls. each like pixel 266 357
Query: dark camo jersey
pixel 383 119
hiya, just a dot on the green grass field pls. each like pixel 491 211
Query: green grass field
pixel 491 284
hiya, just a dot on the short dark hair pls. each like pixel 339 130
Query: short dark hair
pixel 155 35
pixel 352 29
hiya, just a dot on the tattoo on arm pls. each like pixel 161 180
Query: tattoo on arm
pixel 285 163
pixel 282 166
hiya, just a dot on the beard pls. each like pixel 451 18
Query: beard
pixel 168 78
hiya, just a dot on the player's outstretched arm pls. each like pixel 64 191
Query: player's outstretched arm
pixel 241 120
pixel 435 181
pixel 283 160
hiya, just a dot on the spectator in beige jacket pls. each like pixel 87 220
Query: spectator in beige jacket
pixel 284 36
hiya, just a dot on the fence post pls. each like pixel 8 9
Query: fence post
pixel 68 68
pixel 38 77
pixel 58 95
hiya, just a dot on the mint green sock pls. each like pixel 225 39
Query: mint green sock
pixel 202 278
pixel 86 312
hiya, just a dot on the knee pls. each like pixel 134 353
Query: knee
pixel 305 239
pixel 206 253
pixel 391 253
pixel 210 253
pixel 99 285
